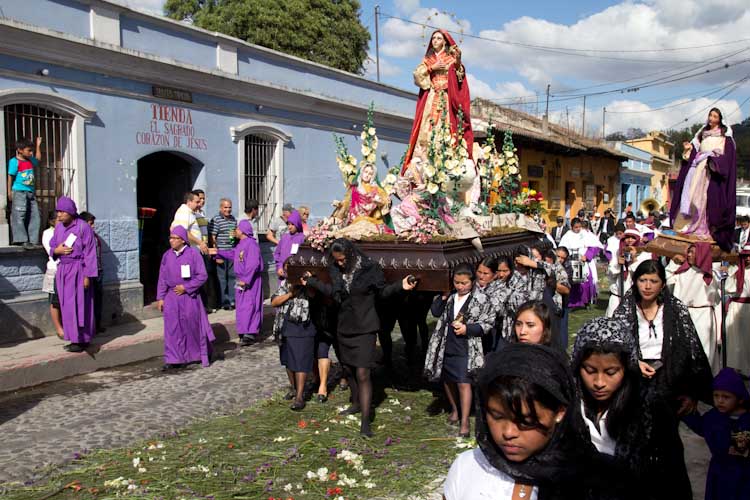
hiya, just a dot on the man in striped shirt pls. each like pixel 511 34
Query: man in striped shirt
pixel 221 231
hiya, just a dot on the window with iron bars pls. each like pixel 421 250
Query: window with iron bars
pixel 55 175
pixel 261 176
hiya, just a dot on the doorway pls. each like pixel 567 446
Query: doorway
pixel 163 179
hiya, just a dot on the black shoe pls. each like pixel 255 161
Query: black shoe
pixel 463 434
pixel 249 340
pixel 352 410
pixel 322 398
pixel 30 246
pixel 171 367
pixel 227 307
pixel 365 431
pixel 290 394
pixel 298 406
pixel 76 347
pixel 67 347
pixel 232 307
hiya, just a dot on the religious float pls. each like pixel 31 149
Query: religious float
pixel 459 202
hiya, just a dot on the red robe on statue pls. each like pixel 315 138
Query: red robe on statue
pixel 432 83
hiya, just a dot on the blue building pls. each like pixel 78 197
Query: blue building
pixel 635 176
pixel 136 109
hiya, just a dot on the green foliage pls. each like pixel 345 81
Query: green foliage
pixel 324 31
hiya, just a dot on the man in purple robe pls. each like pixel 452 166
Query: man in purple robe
pixel 248 268
pixel 289 242
pixel 73 245
pixel 187 332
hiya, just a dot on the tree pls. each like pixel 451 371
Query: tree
pixel 324 31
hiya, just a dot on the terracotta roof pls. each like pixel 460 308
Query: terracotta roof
pixel 525 125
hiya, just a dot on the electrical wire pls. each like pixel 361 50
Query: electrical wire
pixel 705 107
pixel 561 51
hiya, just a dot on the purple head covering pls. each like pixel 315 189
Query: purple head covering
pixel 731 381
pixel 294 218
pixel 65 204
pixel 245 227
pixel 181 232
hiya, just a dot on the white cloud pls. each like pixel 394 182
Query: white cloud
pixel 658 24
pixel 406 6
pixel 695 110
pixel 387 68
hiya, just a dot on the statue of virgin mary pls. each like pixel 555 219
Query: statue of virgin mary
pixel 441 77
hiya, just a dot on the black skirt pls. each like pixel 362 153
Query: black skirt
pixel 297 353
pixel 456 369
pixel 357 349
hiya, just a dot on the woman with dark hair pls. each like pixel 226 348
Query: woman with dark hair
pixel 708 172
pixel 532 443
pixel 511 291
pixel 455 349
pixel 633 427
pixel 486 281
pixel 356 282
pixel 533 324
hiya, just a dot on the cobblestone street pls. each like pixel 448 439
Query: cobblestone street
pixel 110 408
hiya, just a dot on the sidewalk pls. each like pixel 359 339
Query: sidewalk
pixel 35 362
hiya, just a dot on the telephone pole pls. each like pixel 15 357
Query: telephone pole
pixel 583 124
pixel 546 109
pixel 377 43
pixel 604 121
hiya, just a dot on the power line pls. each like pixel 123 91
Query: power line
pixel 706 107
pixel 738 82
pixel 564 51
pixel 738 108
pixel 636 88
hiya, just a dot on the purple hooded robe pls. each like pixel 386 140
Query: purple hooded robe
pixel 287 241
pixel 721 208
pixel 76 302
pixel 187 332
pixel 248 268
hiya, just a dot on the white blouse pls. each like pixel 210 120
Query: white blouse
pixel 471 477
pixel 458 303
pixel 650 339
pixel 600 437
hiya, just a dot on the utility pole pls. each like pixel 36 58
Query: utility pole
pixel 604 121
pixel 377 42
pixel 546 109
pixel 583 124
pixel 567 119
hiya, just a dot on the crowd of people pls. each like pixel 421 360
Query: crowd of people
pixel 499 349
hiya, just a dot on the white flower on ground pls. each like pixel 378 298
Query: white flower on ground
pixel 287 487
pixel 298 486
pixel 407 408
pixel 365 472
pixel 141 469
pixel 322 474
pixel 369 485
pixel 202 441
pixel 281 439
pixel 132 487
pixel 344 480
pixel 136 462
pixel 394 402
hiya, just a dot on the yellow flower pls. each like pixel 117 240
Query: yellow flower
pixel 428 171
pixel 352 160
pixel 509 154
pixel 532 192
pixel 363 135
pixel 371 158
pixel 525 190
pixel 512 161
pixel 486 151
pixel 371 131
pixel 365 150
pixel 432 188
pixel 513 170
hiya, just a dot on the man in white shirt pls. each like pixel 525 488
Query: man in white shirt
pixel 185 217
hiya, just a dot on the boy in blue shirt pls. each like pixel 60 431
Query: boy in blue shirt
pixel 24 220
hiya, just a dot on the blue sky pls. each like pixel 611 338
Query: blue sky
pixel 602 43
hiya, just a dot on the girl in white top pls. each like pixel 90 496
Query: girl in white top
pixel 531 438
pixel 48 285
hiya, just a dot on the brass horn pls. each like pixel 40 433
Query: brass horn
pixel 649 205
